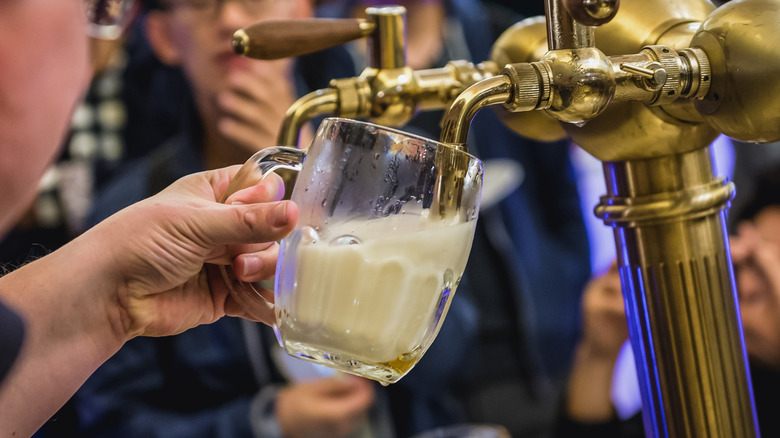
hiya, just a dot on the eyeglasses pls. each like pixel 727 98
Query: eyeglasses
pixel 106 19
pixel 210 8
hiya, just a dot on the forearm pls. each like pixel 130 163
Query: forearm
pixel 69 334
pixel 588 398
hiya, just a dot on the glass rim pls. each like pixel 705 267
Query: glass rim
pixel 109 32
pixel 110 25
pixel 404 133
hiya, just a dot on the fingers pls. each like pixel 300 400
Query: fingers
pixel 225 255
pixel 607 284
pixel 744 244
pixel 244 101
pixel 333 406
pixel 349 395
pixel 269 188
pixel 752 252
pixel 256 266
pixel 266 222
pixel 266 83
pixel 253 106
pixel 767 260
pixel 247 134
pixel 740 250
pixel 245 224
pixel 241 299
pixel 612 281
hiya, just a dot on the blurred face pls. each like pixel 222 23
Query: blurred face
pixel 197 35
pixel 45 69
pixel 768 224
pixel 759 292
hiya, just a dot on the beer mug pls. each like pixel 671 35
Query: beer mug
pixel 107 19
pixel 386 222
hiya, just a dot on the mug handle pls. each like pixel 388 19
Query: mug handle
pixel 254 170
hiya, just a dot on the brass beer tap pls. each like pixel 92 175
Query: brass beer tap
pixel 388 92
pixel 691 73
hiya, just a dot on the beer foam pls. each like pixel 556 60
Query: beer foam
pixel 372 288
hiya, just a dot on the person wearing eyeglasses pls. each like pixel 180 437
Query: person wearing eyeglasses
pixel 230 378
pixel 149 270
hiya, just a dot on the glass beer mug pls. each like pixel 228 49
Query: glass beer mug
pixel 386 222
pixel 107 19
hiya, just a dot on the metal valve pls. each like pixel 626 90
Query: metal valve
pixel 653 72
pixel 388 92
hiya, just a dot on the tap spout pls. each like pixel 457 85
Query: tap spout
pixel 455 124
pixel 316 103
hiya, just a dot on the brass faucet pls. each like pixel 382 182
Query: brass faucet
pixel 644 87
pixel 388 92
pixel 692 72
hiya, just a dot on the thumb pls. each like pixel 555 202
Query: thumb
pixel 268 188
pixel 250 223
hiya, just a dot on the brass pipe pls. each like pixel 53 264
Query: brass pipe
pixel 388 45
pixel 438 87
pixel 456 121
pixel 394 100
pixel 563 32
pixel 316 103
pixel 669 216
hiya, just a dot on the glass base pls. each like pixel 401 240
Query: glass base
pixel 384 372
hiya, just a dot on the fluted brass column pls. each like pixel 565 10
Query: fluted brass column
pixel 668 216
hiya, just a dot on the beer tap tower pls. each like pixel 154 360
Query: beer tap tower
pixel 644 87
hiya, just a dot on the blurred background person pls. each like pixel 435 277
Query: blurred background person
pixel 755 250
pixel 587 407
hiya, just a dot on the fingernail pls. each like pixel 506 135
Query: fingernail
pixel 280 215
pixel 251 265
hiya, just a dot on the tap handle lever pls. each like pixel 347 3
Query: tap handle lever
pixel 276 39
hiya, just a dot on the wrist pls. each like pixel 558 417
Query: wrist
pixel 589 388
pixel 594 354
pixel 69 332
pixel 75 283
pixel 262 413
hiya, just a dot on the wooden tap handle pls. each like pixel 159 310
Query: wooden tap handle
pixel 276 39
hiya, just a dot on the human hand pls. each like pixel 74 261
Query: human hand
pixel 324 408
pixel 604 331
pixel 604 318
pixel 164 251
pixel 253 106
pixel 757 271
